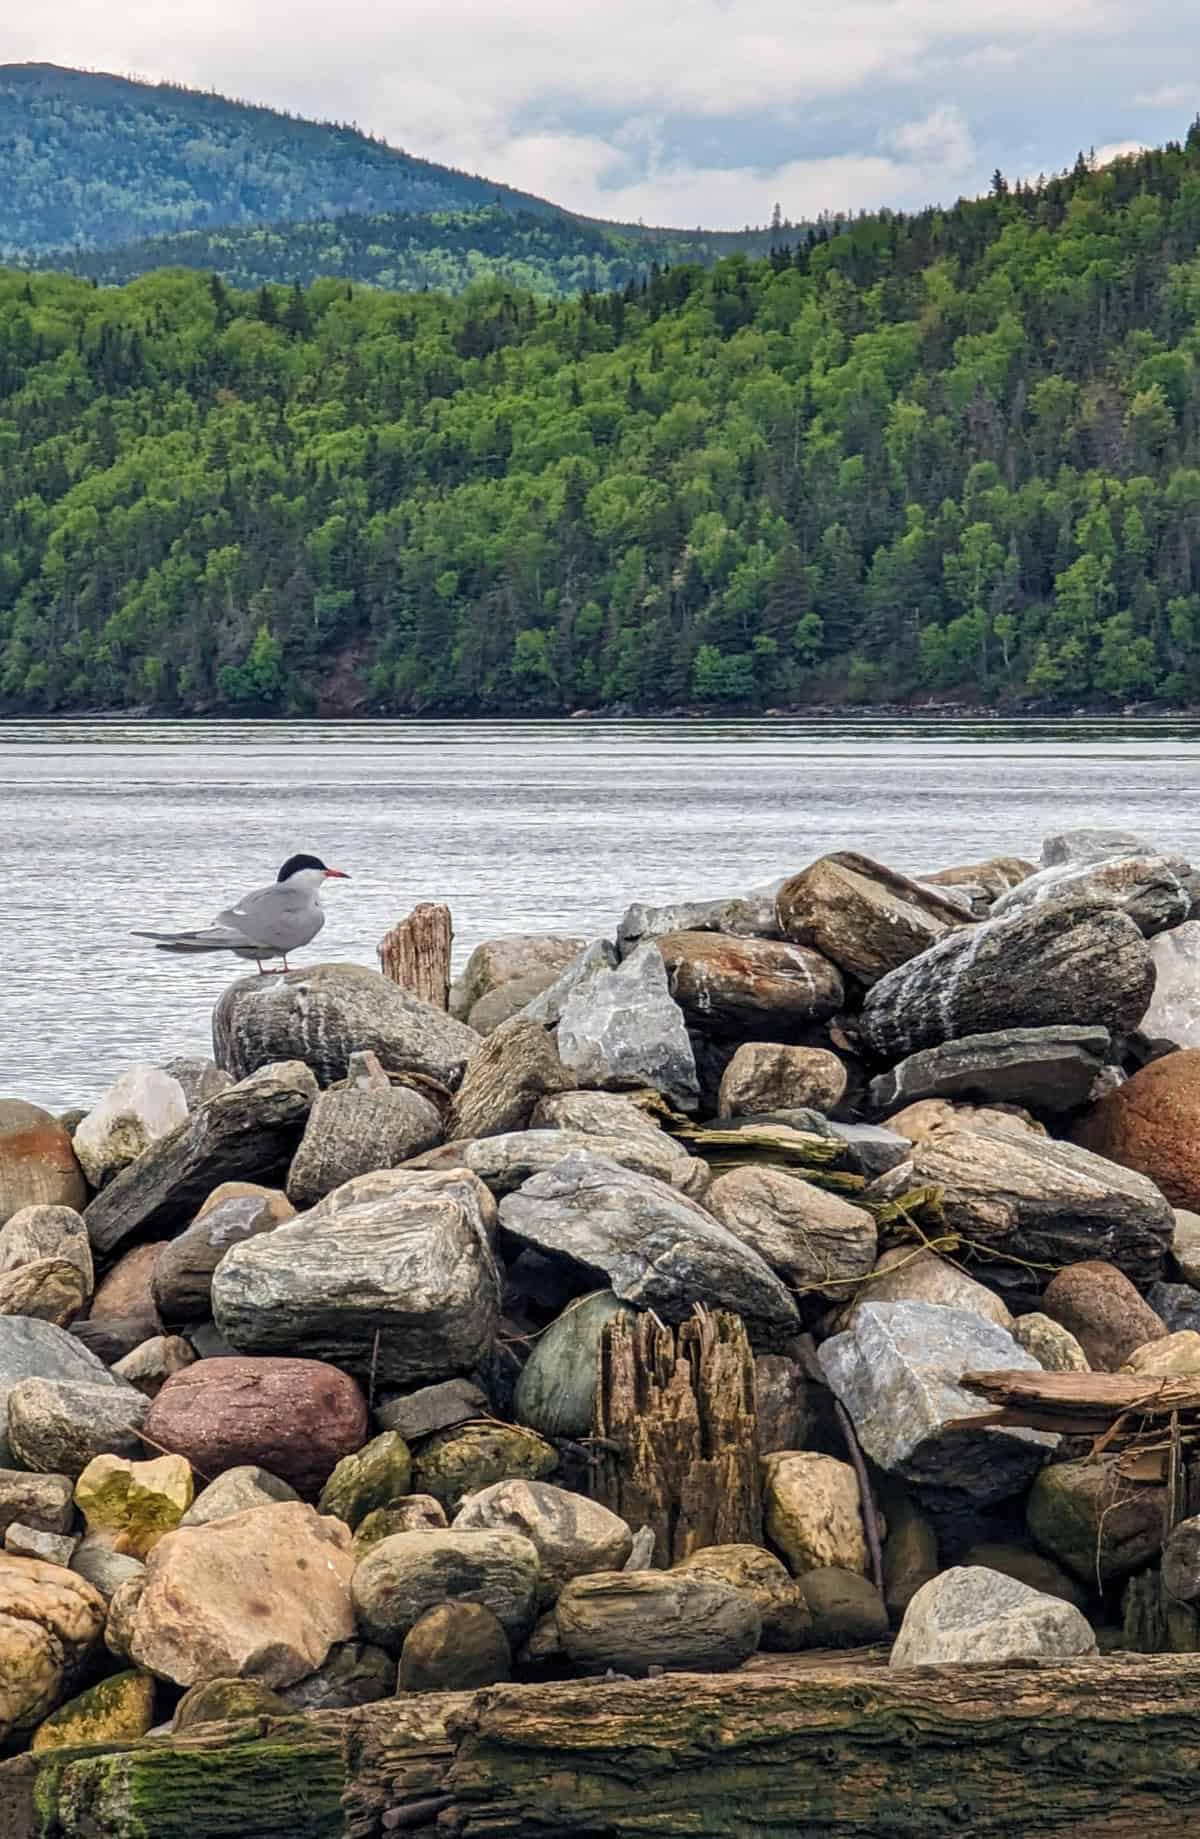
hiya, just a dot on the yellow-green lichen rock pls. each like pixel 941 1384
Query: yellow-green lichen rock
pixel 373 1476
pixel 135 1503
pixel 459 1462
pixel 214 1701
pixel 116 1711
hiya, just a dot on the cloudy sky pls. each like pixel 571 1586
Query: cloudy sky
pixel 678 111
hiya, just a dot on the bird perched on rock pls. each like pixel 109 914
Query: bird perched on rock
pixel 269 923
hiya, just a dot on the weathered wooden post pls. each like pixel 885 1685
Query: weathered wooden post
pixel 416 953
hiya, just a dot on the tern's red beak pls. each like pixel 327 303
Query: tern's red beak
pixel 336 874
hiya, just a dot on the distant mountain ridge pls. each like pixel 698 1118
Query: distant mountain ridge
pixel 112 177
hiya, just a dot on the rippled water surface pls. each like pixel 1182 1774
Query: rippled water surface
pixel 556 826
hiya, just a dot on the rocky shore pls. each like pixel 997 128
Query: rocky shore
pixel 793 1272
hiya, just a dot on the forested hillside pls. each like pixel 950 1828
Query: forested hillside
pixel 449 250
pixel 954 453
pixel 92 160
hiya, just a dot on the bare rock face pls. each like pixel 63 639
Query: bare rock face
pixel 693 1621
pixel 737 987
pixel 46 1232
pixel 1152 1124
pixel 970 1613
pixel 402 1577
pixel 814 1240
pixel 1063 962
pixel 250 1131
pixel 392 1274
pixel 786 1621
pixel 506 1077
pixel 658 1249
pixel 263 1595
pixel 1143 886
pixel 57 1426
pixel 294 1418
pixel 324 1014
pixel 353 1132
pixel 183 1270
pixel 143 1105
pixel 505 1163
pixel 864 917
pixel 38 1167
pixel 1050 1069
pixel 765 1076
pixel 896 1371
pixel 572 1535
pixel 1174 1012
pixel 1104 1312
pixel 905 1275
pixel 620 1027
pixel 50 1623
pixel 1039 1200
pixel 454 1647
pixel 813 1511
pixel 532 959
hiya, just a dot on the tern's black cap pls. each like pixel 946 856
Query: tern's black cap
pixel 295 863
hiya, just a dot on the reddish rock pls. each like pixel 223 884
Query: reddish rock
pixel 1103 1311
pixel 126 1293
pixel 1152 1124
pixel 727 986
pixel 295 1418
pixel 37 1163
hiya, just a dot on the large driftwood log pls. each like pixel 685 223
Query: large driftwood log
pixel 677 1432
pixel 792 1747
pixel 416 954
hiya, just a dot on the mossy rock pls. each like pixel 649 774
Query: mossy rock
pixel 214 1700
pixel 376 1474
pixel 118 1710
pixel 459 1462
pixel 557 1388
pixel 134 1503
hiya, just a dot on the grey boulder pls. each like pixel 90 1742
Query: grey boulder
pixel 1174 1012
pixel 970 1613
pixel 1063 962
pixel 408 1573
pixel 622 1028
pixel 38 1350
pixel 505 1163
pixel 1040 1200
pixel 814 1240
pixel 1047 1069
pixel 235 1491
pixel 183 1270
pixel 692 1620
pixel 742 916
pixel 324 1014
pixel 248 1132
pixel 1143 886
pixel 896 1371
pixel 355 1131
pixel 391 1274
pixel 656 1248
pixel 56 1426
pixel 571 1534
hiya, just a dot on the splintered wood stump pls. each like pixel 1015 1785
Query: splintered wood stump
pixel 416 954
pixel 677 1432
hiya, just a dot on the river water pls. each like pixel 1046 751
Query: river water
pixel 550 826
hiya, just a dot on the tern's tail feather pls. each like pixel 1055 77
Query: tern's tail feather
pixel 214 938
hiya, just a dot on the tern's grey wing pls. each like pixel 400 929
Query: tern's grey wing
pixel 278 918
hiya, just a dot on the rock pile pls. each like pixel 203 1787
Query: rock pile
pixel 301 1349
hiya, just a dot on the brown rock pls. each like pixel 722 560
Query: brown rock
pixel 509 1072
pixel 37 1163
pixel 863 916
pixel 814 1240
pixel 1177 1353
pixel 692 1621
pixel 783 1406
pixel 454 1647
pixel 50 1289
pixel 50 1622
pixel 765 1076
pixel 1095 1521
pixel 150 1365
pixel 786 1622
pixel 1104 1312
pixel 215 1701
pixel 910 1557
pixel 905 1274
pixel 918 1121
pixel 813 1513
pixel 1053 1347
pixel 127 1292
pixel 847 1610
pixel 1028 1568
pixel 734 986
pixel 47 1232
pixel 263 1595
pixel 295 1418
pixel 983 882
pixel 1152 1124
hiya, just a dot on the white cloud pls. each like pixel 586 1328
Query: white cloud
pixel 1118 150
pixel 708 111
pixel 1170 96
